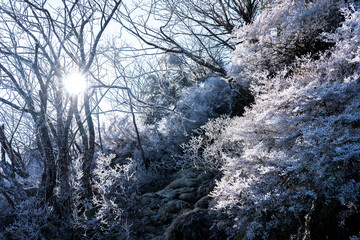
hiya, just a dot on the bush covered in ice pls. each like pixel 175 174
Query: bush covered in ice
pixel 297 173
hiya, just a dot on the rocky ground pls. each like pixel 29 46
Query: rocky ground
pixel 180 210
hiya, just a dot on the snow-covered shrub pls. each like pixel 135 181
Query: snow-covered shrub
pixel 288 30
pixel 206 149
pixel 105 216
pixel 163 87
pixel 161 141
pixel 115 190
pixel 299 146
pixel 197 105
pixel 355 237
pixel 81 220
pixel 114 187
pixel 34 220
pixel 121 139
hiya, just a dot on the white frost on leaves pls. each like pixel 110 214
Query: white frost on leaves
pixel 301 138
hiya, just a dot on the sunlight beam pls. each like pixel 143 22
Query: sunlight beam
pixel 75 83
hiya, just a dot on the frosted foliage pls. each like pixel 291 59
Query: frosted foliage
pixel 300 141
pixel 32 220
pixel 161 141
pixel 158 146
pixel 279 34
pixel 105 212
pixel 206 149
pixel 115 187
pixel 98 218
pixel 197 105
pixel 355 237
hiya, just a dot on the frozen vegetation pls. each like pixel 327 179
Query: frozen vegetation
pixel 261 143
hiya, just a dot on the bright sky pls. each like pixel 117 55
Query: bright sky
pixel 113 29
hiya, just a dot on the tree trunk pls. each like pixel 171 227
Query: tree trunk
pixel 49 175
pixel 63 156
pixel 89 154
pixel 145 161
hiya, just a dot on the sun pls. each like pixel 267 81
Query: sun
pixel 75 83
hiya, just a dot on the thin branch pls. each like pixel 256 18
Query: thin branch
pixel 15 106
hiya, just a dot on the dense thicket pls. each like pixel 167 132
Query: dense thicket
pixel 288 168
pixel 293 168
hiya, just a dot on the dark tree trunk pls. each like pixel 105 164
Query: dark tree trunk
pixel 89 154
